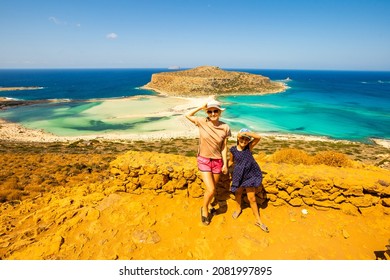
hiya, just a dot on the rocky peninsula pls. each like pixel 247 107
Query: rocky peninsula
pixel 211 80
pixel 19 88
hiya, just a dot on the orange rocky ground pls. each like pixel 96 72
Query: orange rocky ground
pixel 126 226
pixel 72 207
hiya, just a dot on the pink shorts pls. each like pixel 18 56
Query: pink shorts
pixel 210 164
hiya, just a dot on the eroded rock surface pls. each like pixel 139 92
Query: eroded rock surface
pixel 146 205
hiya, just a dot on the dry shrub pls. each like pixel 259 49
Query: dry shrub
pixel 383 183
pixel 3 195
pixel 9 195
pixel 261 156
pixel 332 158
pixel 291 156
pixel 11 183
pixel 296 156
pixel 34 188
pixel 15 195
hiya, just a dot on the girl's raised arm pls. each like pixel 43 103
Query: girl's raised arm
pixel 256 138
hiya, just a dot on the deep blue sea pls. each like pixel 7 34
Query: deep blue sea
pixel 348 105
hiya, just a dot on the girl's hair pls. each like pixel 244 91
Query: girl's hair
pixel 244 130
pixel 246 144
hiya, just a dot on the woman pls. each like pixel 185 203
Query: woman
pixel 212 152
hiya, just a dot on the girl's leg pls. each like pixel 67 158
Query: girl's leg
pixel 252 201
pixel 238 198
pixel 210 180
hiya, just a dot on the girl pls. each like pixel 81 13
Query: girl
pixel 212 152
pixel 246 173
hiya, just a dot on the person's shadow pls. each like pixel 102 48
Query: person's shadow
pixel 383 255
pixel 223 194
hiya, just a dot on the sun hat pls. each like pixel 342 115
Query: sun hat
pixel 242 130
pixel 214 104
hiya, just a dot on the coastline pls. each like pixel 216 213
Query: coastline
pixel 176 127
pixel 164 93
pixel 18 88
pixel 14 132
pixel 173 107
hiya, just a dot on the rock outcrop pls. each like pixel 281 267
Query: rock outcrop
pixel 145 206
pixel 284 184
pixel 210 80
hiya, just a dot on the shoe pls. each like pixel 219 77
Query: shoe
pixel 205 220
pixel 236 214
pixel 213 211
pixel 262 226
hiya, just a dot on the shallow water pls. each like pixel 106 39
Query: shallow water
pixel 337 104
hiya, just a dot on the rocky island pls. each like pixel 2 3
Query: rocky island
pixel 211 80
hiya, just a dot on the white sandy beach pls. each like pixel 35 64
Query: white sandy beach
pixel 118 110
pixel 137 108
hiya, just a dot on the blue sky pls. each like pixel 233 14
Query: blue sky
pixel 261 34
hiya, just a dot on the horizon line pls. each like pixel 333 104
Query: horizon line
pixel 186 68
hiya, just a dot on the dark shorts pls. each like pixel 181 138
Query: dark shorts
pixel 210 164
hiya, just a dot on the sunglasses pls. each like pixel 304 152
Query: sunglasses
pixel 213 111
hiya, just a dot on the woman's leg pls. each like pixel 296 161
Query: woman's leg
pixel 210 180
